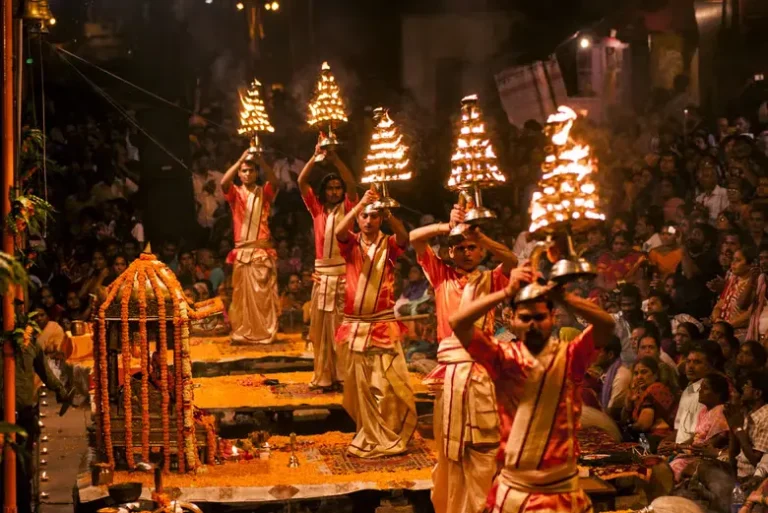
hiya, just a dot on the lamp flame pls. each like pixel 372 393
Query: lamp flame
pixel 566 191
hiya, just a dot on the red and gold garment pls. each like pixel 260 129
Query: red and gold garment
pixel 328 291
pixel 250 219
pixel 450 285
pixel 539 401
pixel 368 307
pixel 320 217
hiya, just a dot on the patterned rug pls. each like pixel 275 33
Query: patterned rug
pixel 419 456
pixel 595 442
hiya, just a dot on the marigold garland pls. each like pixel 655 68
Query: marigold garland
pixel 102 390
pixel 144 345
pixel 177 381
pixel 190 443
pixel 125 342
pixel 148 271
pixel 162 349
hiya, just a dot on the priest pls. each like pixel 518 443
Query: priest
pixel 377 390
pixel 254 312
pixel 538 379
pixel 466 422
pixel 336 196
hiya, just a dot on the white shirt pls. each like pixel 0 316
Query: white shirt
pixel 716 201
pixel 620 387
pixel 688 412
pixel 624 333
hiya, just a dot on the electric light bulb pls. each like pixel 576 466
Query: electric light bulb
pixel 240 6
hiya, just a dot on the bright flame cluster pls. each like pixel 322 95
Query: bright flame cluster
pixel 326 105
pixel 387 159
pixel 566 192
pixel 253 115
pixel 474 161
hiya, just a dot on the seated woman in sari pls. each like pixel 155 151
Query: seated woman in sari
pixel 650 405
pixel 711 436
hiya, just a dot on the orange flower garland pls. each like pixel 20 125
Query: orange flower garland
pixel 143 272
pixel 144 344
pixel 125 342
pixel 162 349
pixel 102 383
pixel 190 444
pixel 177 372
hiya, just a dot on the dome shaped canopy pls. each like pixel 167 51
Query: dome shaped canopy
pixel 141 274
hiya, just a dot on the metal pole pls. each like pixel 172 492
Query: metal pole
pixel 9 363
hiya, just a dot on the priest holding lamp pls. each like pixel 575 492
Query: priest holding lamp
pixel 377 391
pixel 537 378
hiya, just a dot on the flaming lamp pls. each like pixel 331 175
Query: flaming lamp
pixel 327 107
pixel 473 164
pixel 387 159
pixel 253 116
pixel 566 198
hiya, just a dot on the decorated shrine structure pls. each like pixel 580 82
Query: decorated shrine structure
pixel 149 410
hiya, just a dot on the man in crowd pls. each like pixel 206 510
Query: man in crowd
pixel 336 197
pixel 540 469
pixel 31 361
pixel 749 428
pixel 629 318
pixel 751 357
pixel 377 391
pixel 466 423
pixel 207 269
pixel 254 311
pixel 701 360
pixel 698 266
pixel 615 377
pixel 711 195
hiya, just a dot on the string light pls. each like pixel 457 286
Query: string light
pixel 326 105
pixel 473 161
pixel 240 6
pixel 387 158
pixel 253 115
pixel 585 42
pixel 566 192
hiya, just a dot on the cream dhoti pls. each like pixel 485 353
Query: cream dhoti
pixel 377 390
pixel 466 426
pixel 325 317
pixel 254 312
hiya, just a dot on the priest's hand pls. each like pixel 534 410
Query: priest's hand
pixel 457 216
pixel 517 277
pixel 369 197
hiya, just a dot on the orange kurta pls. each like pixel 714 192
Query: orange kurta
pixel 255 309
pixel 357 256
pixel 328 291
pixel 540 404
pixel 449 284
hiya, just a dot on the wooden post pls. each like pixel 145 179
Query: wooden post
pixel 9 363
